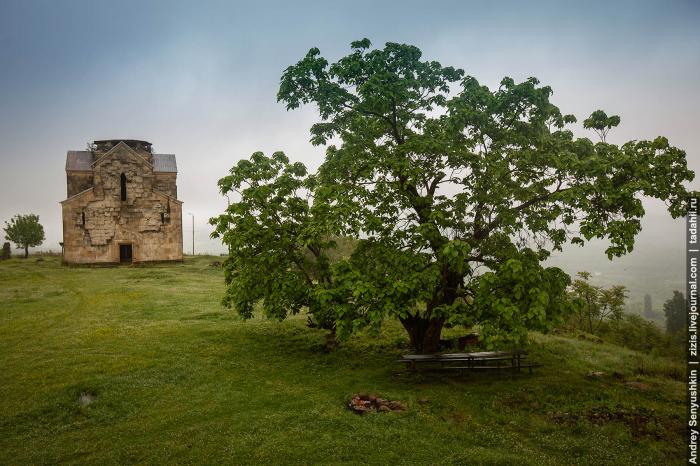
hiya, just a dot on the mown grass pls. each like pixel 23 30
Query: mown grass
pixel 178 379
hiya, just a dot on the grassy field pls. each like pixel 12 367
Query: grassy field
pixel 174 378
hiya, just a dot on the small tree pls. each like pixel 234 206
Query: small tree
pixel 676 310
pixel 595 304
pixel 25 231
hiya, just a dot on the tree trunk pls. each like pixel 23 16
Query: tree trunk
pixel 424 333
pixel 331 341
pixel 26 252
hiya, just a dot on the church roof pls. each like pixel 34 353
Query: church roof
pixel 164 163
pixel 81 160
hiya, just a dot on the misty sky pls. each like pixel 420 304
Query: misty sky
pixel 199 79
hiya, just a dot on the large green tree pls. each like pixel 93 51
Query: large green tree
pixel 25 231
pixel 459 191
pixel 455 192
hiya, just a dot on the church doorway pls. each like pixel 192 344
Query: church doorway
pixel 125 253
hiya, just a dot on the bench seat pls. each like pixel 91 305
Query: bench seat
pixel 483 360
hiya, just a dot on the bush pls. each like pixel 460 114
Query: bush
pixel 6 251
pixel 635 332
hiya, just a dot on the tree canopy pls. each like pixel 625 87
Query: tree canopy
pixel 595 304
pixel 457 192
pixel 278 250
pixel 25 231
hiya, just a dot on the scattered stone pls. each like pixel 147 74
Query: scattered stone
pixel 362 403
pixel 596 374
pixel 359 406
pixel 215 264
pixel 86 398
pixel 423 401
pixel 397 406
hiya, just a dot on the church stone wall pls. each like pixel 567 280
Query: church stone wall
pixel 166 183
pixel 79 182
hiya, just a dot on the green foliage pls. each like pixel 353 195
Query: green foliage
pixel 378 281
pixel 676 311
pixel 25 231
pixel 599 311
pixel 595 304
pixel 601 123
pixel 446 179
pixel 519 295
pixel 635 332
pixel 456 196
pixel 277 248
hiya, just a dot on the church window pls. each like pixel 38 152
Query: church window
pixel 123 186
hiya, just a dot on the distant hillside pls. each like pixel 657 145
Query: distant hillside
pixel 656 266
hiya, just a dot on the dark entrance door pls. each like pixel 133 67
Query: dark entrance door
pixel 124 253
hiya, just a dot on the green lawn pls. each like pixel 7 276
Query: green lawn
pixel 178 379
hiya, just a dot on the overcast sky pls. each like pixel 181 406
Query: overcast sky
pixel 199 79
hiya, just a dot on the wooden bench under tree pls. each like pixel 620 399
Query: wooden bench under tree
pixel 479 361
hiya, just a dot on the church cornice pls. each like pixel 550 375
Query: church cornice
pixel 75 196
pixel 168 196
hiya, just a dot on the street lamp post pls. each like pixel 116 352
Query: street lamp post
pixel 190 213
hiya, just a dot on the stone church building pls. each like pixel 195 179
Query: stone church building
pixel 121 205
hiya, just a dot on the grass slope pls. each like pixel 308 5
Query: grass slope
pixel 177 379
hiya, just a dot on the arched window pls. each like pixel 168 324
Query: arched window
pixel 123 186
pixel 83 217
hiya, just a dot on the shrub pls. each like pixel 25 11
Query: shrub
pixel 637 333
pixel 6 251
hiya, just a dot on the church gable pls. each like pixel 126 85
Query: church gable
pixel 124 153
pixel 122 172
